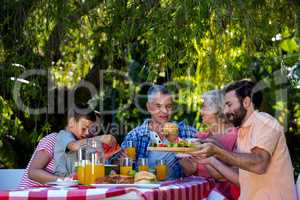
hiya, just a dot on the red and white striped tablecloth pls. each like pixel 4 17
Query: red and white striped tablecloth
pixel 190 188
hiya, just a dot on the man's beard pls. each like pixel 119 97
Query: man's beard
pixel 237 117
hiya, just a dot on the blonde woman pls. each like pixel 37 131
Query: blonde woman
pixel 220 132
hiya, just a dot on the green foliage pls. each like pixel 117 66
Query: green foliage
pixel 9 125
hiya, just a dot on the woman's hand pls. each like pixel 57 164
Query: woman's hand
pixel 206 161
pixel 189 166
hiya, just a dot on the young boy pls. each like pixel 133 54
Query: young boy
pixel 68 141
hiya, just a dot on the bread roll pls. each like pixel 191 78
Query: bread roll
pixel 144 177
pixel 170 129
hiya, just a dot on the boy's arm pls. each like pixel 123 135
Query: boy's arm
pixel 107 139
pixel 75 145
pixel 65 142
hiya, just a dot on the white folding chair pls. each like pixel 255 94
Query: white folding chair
pixel 215 195
pixel 10 178
pixel 298 187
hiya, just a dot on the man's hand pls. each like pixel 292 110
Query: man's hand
pixel 205 150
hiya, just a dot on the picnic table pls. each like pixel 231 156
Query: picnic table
pixel 189 188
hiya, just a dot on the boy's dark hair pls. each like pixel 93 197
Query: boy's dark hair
pixel 246 88
pixel 82 111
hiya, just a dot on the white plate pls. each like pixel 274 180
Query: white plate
pixel 150 185
pixel 108 165
pixel 183 155
pixel 63 183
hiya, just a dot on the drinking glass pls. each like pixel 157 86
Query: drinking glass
pixel 126 166
pixel 130 150
pixel 80 164
pixel 143 164
pixel 161 170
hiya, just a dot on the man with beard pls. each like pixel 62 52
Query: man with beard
pixel 264 165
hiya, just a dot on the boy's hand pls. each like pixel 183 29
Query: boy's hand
pixel 107 139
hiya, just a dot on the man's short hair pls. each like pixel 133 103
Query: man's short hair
pixel 246 88
pixel 155 89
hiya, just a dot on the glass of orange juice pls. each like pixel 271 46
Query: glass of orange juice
pixel 80 171
pixel 161 170
pixel 80 165
pixel 143 164
pixel 130 150
pixel 126 166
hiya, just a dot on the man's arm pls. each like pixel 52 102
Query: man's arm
pixel 131 136
pixel 186 131
pixel 257 161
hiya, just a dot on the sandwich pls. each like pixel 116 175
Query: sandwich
pixel 170 130
pixel 144 177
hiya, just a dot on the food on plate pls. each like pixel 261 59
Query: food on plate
pixel 124 179
pixel 144 177
pixel 170 129
pixel 181 143
pixel 115 179
pixel 174 143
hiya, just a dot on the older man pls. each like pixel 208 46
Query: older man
pixel 160 108
pixel 262 157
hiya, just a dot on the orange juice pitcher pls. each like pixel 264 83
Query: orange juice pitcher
pixel 94 169
pixel 88 173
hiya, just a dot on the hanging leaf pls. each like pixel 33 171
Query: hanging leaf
pixel 289 45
